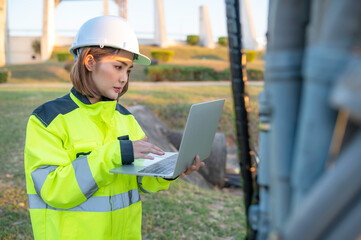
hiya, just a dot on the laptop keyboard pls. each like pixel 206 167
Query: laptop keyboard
pixel 165 166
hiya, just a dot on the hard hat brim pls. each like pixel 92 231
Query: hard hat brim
pixel 142 59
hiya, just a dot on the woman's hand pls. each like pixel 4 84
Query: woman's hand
pixel 141 148
pixel 195 167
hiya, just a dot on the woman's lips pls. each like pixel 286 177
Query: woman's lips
pixel 117 89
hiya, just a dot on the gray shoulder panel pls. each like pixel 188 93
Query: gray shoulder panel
pixel 122 110
pixel 47 112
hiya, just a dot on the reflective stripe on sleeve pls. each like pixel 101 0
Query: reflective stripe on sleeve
pixel 40 174
pixel 84 176
pixel 93 204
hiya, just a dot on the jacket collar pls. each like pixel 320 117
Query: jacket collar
pixel 84 99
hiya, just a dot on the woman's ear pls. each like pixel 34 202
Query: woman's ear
pixel 89 62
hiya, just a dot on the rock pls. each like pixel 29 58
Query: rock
pixel 197 179
pixel 232 165
pixel 215 169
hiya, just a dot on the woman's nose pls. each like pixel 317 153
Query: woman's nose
pixel 123 78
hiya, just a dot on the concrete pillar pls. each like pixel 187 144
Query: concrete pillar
pixel 249 40
pixel 3 32
pixel 205 30
pixel 123 8
pixel 160 35
pixel 7 38
pixel 106 7
pixel 48 37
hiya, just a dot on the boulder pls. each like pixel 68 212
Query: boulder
pixel 198 180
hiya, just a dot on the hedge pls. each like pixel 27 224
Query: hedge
pixel 252 74
pixel 251 55
pixel 181 73
pixel 192 39
pixel 223 41
pixel 64 56
pixel 4 75
pixel 162 55
pixel 194 73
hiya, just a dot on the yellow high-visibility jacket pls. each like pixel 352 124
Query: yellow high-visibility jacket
pixel 70 147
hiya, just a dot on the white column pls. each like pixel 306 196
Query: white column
pixel 160 35
pixel 106 7
pixel 249 40
pixel 205 30
pixel 7 38
pixel 48 37
pixel 123 8
pixel 3 32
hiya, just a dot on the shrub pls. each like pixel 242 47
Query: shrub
pixel 64 56
pixel 252 74
pixel 185 73
pixel 255 74
pixel 36 45
pixel 192 39
pixel 4 75
pixel 251 55
pixel 223 41
pixel 162 55
pixel 69 65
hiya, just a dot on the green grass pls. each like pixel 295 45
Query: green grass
pixel 184 212
pixel 39 72
pixel 196 214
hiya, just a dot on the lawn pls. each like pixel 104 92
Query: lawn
pixel 183 212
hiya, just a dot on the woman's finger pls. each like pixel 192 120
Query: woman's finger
pixel 195 167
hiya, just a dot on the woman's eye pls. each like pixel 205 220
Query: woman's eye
pixel 129 71
pixel 118 67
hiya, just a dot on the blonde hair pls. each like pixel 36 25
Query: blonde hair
pixel 81 77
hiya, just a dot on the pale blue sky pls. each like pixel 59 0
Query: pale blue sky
pixel 182 16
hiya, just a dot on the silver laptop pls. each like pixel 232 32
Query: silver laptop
pixel 198 136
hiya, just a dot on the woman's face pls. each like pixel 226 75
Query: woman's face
pixel 111 73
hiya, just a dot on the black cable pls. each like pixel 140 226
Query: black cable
pixel 240 98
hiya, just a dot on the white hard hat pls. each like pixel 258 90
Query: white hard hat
pixel 108 31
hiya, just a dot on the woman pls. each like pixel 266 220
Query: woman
pixel 72 142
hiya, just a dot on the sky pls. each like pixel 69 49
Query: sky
pixel 181 16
